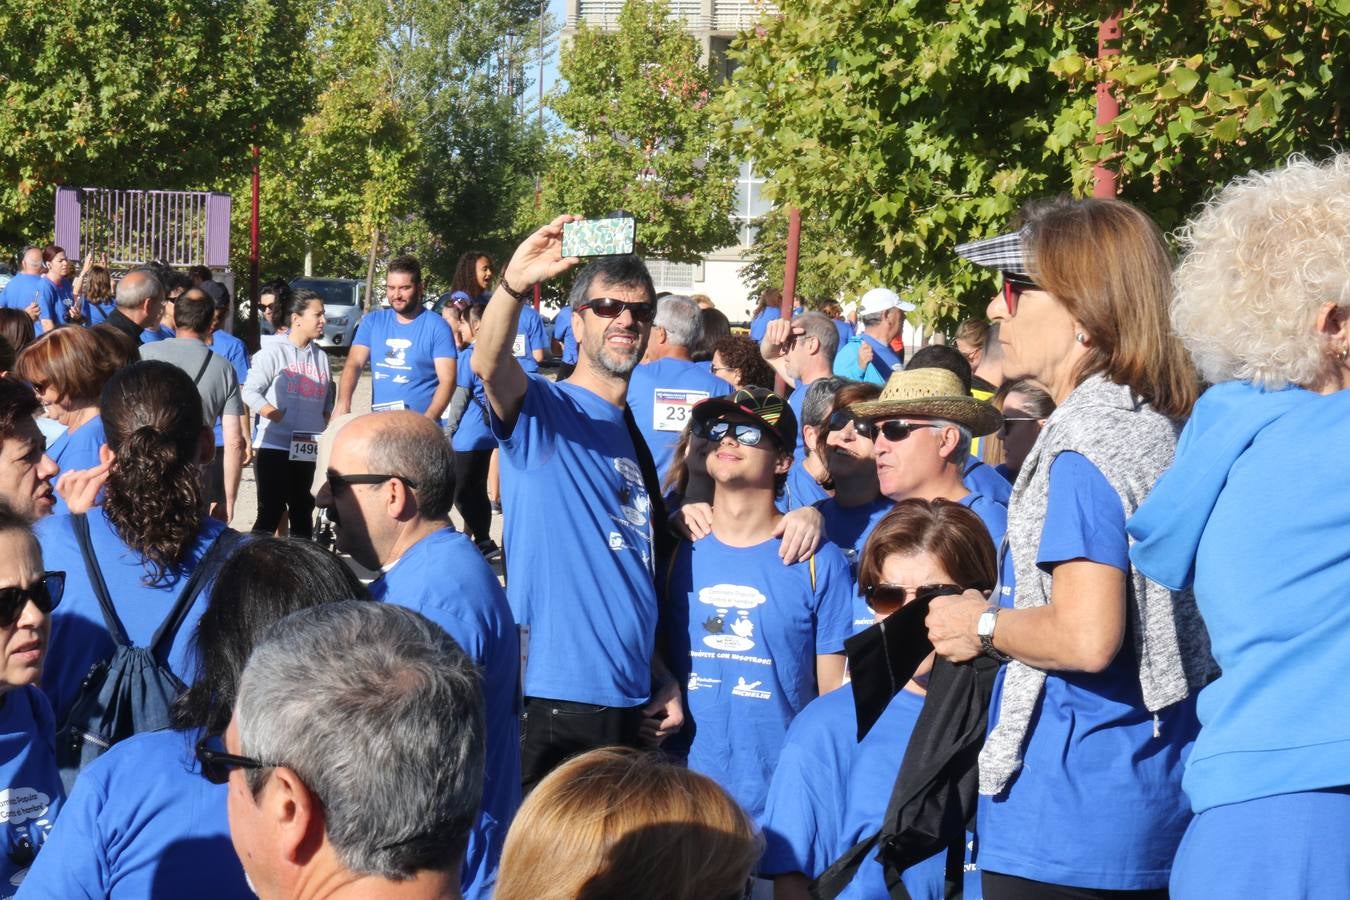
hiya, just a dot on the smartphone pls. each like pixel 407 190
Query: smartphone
pixel 599 237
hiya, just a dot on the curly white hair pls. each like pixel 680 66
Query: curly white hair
pixel 1259 261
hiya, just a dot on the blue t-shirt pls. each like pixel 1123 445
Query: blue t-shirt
pixel 848 529
pixel 845 330
pixel 661 395
pixel 802 811
pixel 472 432
pixel 530 336
pixel 236 353
pixel 800 489
pixel 30 781
pixel 871 776
pixel 1098 801
pixel 65 300
pixel 986 479
pixel 578 537
pixel 79 637
pixel 761 322
pixel 884 360
pixel 403 356
pixel 158 333
pixel 23 290
pixel 142 822
pixel 745 631
pixel 444 577
pixel 562 333
pixel 96 313
pixel 993 514
pixel 74 450
pixel 795 401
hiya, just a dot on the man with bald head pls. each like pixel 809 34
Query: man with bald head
pixel 32 291
pixel 389 488
pixel 140 304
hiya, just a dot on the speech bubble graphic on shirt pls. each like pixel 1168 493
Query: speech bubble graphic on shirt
pixel 734 636
pixel 396 352
pixel 18 805
pixel 628 469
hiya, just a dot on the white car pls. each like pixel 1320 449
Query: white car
pixel 342 307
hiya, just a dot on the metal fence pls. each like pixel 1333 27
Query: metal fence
pixel 181 228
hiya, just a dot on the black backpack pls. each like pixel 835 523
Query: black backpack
pixel 132 690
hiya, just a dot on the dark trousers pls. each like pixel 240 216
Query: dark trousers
pixel 283 484
pixel 471 499
pixel 551 731
pixel 1010 887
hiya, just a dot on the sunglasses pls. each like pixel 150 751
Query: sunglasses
pixel 337 479
pixel 895 430
pixel 1011 423
pixel 45 594
pixel 217 764
pixel 609 308
pixel 842 418
pixel 747 434
pixel 884 599
pixel 1013 288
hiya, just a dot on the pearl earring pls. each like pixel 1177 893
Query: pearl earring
pixel 1080 337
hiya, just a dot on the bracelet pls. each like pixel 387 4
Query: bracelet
pixel 517 295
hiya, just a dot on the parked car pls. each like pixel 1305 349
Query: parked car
pixel 342 306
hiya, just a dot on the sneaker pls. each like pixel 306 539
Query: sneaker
pixel 491 552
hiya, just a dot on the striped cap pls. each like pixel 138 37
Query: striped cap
pixel 1007 253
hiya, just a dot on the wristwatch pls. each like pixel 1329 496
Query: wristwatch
pixel 985 629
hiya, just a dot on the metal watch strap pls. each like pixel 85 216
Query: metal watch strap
pixel 987 641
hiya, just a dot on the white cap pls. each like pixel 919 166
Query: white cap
pixel 878 300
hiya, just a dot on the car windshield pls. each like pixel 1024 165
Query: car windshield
pixel 334 293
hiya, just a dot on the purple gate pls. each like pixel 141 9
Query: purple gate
pixel 181 228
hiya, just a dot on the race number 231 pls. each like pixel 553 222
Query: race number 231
pixel 671 408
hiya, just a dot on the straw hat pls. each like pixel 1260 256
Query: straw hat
pixel 930 394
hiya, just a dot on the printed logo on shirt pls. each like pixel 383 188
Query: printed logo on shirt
pixel 750 689
pixel 628 469
pixel 396 353
pixel 18 805
pixel 697 681
pixel 616 541
pixel 734 634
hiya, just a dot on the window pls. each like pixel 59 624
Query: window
pixel 678 278
pixel 750 203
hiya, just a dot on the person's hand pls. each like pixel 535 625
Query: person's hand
pixel 88 264
pixel 271 413
pixel 952 623
pixel 248 454
pixel 778 339
pixel 540 257
pixel 33 311
pixel 802 530
pixel 663 715
pixel 692 521
pixel 80 487
pixel 73 313
pixel 864 354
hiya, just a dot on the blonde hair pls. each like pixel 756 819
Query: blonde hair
pixel 619 823
pixel 1106 263
pixel 1259 261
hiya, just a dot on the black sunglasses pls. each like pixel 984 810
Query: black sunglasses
pixel 747 434
pixel 885 599
pixel 842 418
pixel 610 308
pixel 895 430
pixel 337 479
pixel 217 764
pixel 45 593
pixel 1011 423
pixel 1013 288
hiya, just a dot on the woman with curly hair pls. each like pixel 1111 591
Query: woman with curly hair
pixel 737 361
pixel 147 537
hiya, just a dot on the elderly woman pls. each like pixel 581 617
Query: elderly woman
pixel 1094 713
pixel 1252 516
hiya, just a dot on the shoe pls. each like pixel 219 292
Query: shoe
pixel 491 552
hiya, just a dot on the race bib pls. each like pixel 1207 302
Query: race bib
pixel 518 346
pixel 391 406
pixel 671 408
pixel 304 447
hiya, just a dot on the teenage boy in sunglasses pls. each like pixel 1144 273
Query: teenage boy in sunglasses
pixel 924 421
pixel 579 530
pixel 754 640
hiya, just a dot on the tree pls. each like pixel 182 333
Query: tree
pixel 639 136
pixel 910 127
pixel 152 94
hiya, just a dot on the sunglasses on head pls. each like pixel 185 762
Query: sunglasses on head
pixel 1013 288
pixel 45 594
pixel 895 430
pixel 842 418
pixel 747 434
pixel 610 308
pixel 217 764
pixel 885 599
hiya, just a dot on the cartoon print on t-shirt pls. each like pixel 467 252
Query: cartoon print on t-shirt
pixel 396 355
pixel 736 636
pixel 18 806
pixel 634 504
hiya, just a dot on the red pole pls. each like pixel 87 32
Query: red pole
pixel 1108 34
pixel 253 243
pixel 794 244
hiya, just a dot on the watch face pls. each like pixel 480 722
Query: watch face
pixel 985 626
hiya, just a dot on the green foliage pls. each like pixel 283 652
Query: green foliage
pixel 639 136
pixel 156 93
pixel 827 263
pixel 905 128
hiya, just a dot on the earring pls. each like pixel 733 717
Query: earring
pixel 1343 354
pixel 1080 337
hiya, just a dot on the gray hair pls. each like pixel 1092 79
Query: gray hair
pixel 958 456
pixel 819 399
pixel 872 320
pixel 136 287
pixel 415 448
pixel 821 327
pixel 380 713
pixel 681 318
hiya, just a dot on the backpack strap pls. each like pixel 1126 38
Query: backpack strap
pixel 811 564
pixel 223 545
pixel 196 379
pixel 110 620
